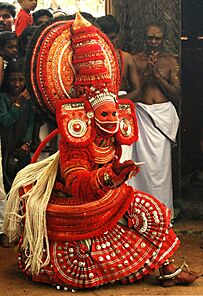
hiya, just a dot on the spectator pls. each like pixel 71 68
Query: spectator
pixel 24 17
pixel 16 120
pixel 130 84
pixel 7 15
pixel 157 117
pixel 24 40
pixel 41 16
pixel 8 50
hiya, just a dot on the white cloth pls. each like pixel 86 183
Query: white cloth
pixel 157 125
pixel 2 194
pixel 43 133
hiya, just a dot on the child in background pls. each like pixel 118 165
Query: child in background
pixel 24 17
pixel 8 50
pixel 24 40
pixel 41 16
pixel 16 122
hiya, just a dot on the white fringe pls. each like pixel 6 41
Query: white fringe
pixel 42 175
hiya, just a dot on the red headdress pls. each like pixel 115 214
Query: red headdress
pixel 74 59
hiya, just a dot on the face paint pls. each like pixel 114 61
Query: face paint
pixel 106 118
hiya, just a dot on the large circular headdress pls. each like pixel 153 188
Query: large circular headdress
pixel 70 59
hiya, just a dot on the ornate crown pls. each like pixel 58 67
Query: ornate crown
pixel 101 98
pixel 68 58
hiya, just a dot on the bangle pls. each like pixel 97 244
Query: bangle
pixel 17 105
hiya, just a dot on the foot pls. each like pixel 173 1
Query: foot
pixel 171 276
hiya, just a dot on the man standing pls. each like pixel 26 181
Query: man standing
pixel 130 83
pixel 7 15
pixel 157 118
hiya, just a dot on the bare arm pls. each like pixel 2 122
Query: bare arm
pixel 131 76
pixel 134 81
pixel 170 86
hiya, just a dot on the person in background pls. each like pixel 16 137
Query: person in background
pixel 41 16
pixel 157 117
pixel 41 127
pixel 24 17
pixel 8 50
pixel 24 40
pixel 8 53
pixel 130 83
pixel 16 129
pixel 7 15
pixel 16 121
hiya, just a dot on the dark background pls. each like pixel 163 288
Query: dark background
pixel 192 85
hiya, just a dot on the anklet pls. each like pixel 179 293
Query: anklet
pixel 174 274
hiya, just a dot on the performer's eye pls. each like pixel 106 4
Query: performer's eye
pixel 114 113
pixel 104 114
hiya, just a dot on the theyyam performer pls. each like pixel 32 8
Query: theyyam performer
pixel 80 224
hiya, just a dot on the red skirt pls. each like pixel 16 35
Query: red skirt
pixel 124 253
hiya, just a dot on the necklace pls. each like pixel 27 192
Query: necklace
pixel 104 149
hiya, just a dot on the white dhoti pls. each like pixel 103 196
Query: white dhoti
pixel 157 125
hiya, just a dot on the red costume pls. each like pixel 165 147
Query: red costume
pixel 23 20
pixel 92 228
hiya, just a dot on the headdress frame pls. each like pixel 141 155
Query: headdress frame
pixel 51 75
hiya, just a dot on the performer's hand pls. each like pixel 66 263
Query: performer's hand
pixel 123 168
pixel 115 174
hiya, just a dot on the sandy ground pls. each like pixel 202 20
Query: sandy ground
pixel 13 283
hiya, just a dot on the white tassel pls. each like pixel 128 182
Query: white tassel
pixel 42 176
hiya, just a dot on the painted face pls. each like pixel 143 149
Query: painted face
pixel 106 118
pixel 42 20
pixel 28 5
pixel 154 38
pixel 11 50
pixel 16 82
pixel 6 20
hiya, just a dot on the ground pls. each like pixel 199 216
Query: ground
pixel 13 283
